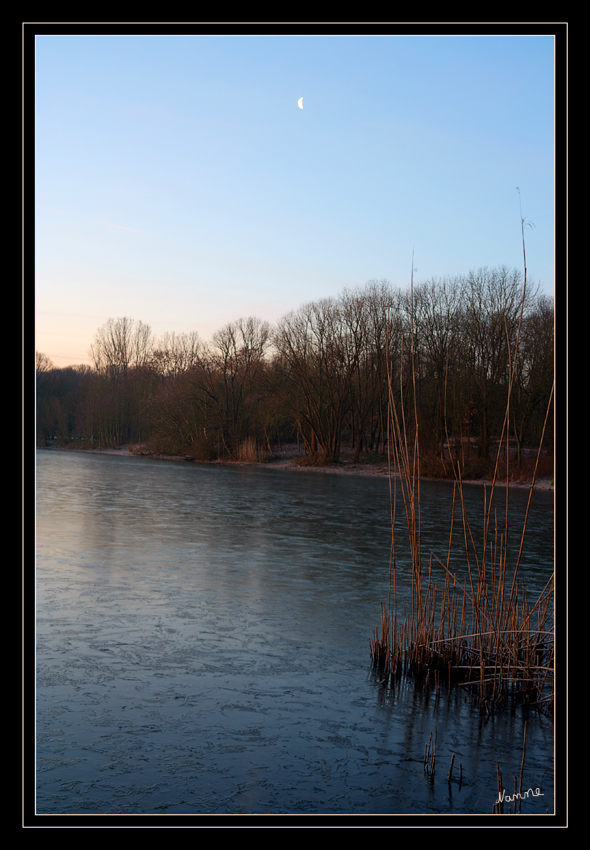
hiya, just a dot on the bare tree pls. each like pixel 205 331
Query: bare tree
pixel 225 383
pixel 42 362
pixel 494 300
pixel 534 374
pixel 370 318
pixel 320 345
pixel 175 353
pixel 119 345
pixel 436 308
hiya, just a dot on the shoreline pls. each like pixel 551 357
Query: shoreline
pixel 284 460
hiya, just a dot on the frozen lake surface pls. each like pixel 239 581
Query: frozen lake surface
pixel 203 648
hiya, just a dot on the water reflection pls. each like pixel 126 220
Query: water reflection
pixel 203 646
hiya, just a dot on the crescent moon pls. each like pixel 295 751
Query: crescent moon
pixel 300 103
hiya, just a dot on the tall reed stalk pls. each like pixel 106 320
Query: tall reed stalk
pixel 483 634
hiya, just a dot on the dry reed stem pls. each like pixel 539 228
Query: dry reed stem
pixel 500 636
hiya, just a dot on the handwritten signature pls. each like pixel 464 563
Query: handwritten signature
pixel 507 798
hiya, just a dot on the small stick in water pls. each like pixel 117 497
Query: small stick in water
pixel 451 768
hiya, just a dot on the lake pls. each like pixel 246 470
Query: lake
pixel 202 647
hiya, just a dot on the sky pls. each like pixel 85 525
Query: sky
pixel 179 183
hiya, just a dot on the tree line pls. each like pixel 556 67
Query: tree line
pixel 448 351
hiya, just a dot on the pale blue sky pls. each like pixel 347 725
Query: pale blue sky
pixel 229 201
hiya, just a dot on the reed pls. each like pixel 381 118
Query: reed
pixel 430 757
pixel 450 773
pixel 519 793
pixel 249 452
pixel 480 632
